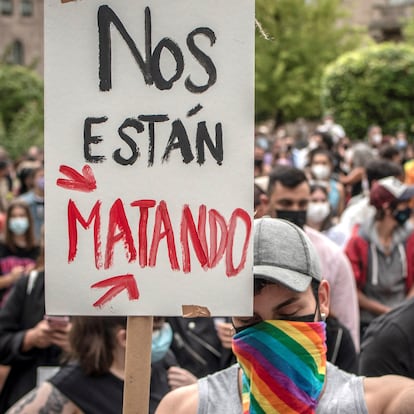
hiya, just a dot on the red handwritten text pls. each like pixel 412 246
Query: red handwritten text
pixel 208 252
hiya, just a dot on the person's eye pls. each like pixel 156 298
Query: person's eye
pixel 286 316
pixel 285 204
pixel 248 321
pixel 288 312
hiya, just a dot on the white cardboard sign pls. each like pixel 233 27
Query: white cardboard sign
pixel 149 156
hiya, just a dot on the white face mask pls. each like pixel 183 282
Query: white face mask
pixel 317 212
pixel 377 138
pixel 312 145
pixel 321 172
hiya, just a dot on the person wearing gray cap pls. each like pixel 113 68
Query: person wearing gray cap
pixel 281 348
pixel 289 193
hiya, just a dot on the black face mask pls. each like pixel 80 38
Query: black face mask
pixel 297 217
pixel 304 318
pixel 241 328
pixel 401 216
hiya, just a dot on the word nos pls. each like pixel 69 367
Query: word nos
pixel 208 252
pixel 150 66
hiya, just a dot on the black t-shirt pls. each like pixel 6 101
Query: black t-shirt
pixel 104 394
pixel 31 253
pixel 340 346
pixel 92 394
pixel 197 346
pixel 388 344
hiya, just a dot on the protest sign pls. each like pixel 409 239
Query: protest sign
pixel 149 157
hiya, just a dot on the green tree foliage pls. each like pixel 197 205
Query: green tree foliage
pixel 304 36
pixel 408 30
pixel 373 85
pixel 21 109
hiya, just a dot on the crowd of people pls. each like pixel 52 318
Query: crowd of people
pixel 333 286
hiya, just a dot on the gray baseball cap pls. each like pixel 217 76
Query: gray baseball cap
pixel 283 253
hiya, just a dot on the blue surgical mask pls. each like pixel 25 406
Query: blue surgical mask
pixel 401 144
pixel 161 341
pixel 18 225
pixel 41 183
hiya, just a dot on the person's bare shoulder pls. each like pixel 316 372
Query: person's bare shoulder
pixel 183 400
pixel 389 394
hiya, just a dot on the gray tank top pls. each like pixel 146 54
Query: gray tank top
pixel 343 394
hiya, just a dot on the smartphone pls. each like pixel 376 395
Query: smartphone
pixel 57 322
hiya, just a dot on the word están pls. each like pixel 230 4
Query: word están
pixel 178 140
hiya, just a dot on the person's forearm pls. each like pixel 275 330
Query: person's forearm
pixel 28 340
pixel 6 280
pixel 11 348
pixel 403 403
pixel 410 293
pixel 371 305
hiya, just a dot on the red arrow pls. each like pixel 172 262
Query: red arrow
pixel 81 182
pixel 118 284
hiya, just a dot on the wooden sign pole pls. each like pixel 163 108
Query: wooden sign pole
pixel 137 365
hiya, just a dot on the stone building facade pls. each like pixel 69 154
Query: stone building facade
pixel 383 18
pixel 21 32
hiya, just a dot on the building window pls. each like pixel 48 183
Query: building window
pixel 26 8
pixel 6 7
pixel 399 2
pixel 16 54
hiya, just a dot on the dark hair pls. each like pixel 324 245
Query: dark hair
pixel 315 185
pixel 34 171
pixel 4 164
pixel 389 152
pixel 29 235
pixel 320 151
pixel 315 290
pixel 381 168
pixel 288 176
pixel 327 140
pixel 93 340
pixel 257 193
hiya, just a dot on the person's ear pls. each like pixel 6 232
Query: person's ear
pixel 265 204
pixel 264 200
pixel 261 208
pixel 121 337
pixel 324 297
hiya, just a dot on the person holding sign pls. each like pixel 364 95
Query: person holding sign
pixel 281 348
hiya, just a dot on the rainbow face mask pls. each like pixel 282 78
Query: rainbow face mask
pixel 284 366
